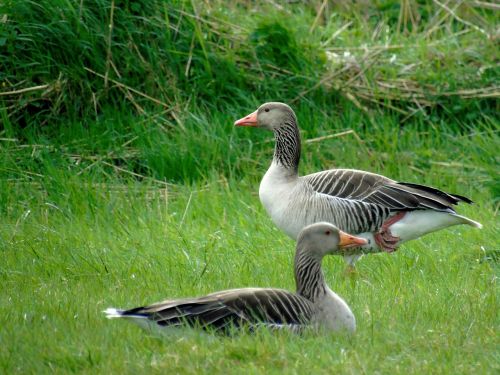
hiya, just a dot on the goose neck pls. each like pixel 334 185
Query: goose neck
pixel 287 148
pixel 309 276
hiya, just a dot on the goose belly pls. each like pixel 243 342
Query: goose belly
pixel 333 314
pixel 280 195
pixel 279 204
pixel 418 223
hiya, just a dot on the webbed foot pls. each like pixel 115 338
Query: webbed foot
pixel 384 238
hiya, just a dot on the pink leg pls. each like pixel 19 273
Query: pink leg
pixel 384 239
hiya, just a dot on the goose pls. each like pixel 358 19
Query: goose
pixel 384 211
pixel 313 305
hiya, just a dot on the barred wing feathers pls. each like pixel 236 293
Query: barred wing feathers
pixel 236 307
pixel 372 188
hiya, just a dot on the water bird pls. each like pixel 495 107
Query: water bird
pixel 384 211
pixel 313 305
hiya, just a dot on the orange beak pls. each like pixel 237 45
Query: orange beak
pixel 250 120
pixel 347 240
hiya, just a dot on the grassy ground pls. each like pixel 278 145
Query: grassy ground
pixel 111 198
pixel 72 246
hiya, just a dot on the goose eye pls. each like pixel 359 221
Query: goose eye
pixel 327 232
pixel 266 109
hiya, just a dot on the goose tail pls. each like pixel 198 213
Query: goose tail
pixel 466 220
pixel 112 313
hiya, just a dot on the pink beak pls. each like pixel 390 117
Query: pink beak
pixel 250 120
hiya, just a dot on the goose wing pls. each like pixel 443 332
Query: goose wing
pixel 382 191
pixel 231 308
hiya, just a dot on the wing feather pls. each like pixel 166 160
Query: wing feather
pixel 379 190
pixel 219 311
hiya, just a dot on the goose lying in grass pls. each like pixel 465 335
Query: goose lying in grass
pixel 385 212
pixel 313 305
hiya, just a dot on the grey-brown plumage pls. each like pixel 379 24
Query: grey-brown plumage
pixel 232 309
pixel 314 304
pixel 380 190
pixel 370 199
pixel 384 211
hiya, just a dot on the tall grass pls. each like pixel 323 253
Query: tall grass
pixel 89 58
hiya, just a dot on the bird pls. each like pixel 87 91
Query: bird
pixel 384 211
pixel 313 305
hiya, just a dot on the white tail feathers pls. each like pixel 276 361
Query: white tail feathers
pixel 470 222
pixel 141 320
pixel 111 313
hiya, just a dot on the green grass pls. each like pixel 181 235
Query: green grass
pixel 84 59
pixel 111 198
pixel 74 244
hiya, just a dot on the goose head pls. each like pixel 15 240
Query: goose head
pixel 323 238
pixel 271 116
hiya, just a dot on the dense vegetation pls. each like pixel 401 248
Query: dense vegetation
pixel 123 181
pixel 84 59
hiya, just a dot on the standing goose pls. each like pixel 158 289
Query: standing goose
pixel 314 304
pixel 385 212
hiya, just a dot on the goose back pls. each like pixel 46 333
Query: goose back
pixel 376 189
pixel 230 309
